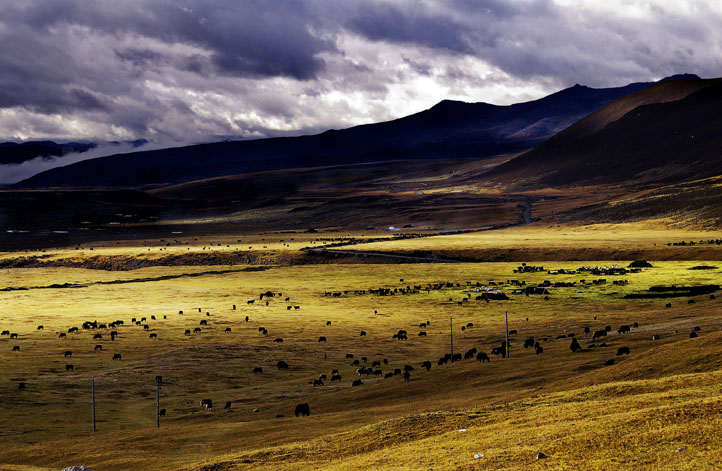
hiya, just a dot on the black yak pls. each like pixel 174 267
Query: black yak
pixel 303 410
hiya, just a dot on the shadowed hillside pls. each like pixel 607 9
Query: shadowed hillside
pixel 666 133
pixel 450 129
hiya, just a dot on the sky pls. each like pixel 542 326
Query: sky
pixel 186 71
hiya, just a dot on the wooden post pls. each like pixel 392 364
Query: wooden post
pixel 158 380
pixel 451 332
pixel 506 317
pixel 92 389
pixel 157 402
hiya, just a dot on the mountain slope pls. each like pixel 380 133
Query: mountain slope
pixel 666 133
pixel 449 129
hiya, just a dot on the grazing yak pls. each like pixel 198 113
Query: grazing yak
pixel 388 375
pixel 278 340
pixel 207 403
pixel 363 333
pixel 335 377
pixel 539 350
pixel 357 382
pixel 69 368
pixel 97 336
pixel 427 365
pixel 188 331
pixel 40 327
pixel 575 347
pixel 282 365
pixel 318 382
pixel 407 376
pixel 228 329
pixel 197 330
pixel 5 332
pixel 625 329
pixel 529 342
pixel 456 357
pixel 228 405
pixel 321 339
pixel 117 356
pixel 303 410
pixel 62 335
pixel 161 413
pixel 422 333
pixel 599 333
pixel 609 362
pixel 153 336
pixel 623 351
pixel 693 334
pixel 98 347
pixel 16 348
pixel 68 353
pixel 482 357
pixel 21 386
pixel 258 370
pixel 499 350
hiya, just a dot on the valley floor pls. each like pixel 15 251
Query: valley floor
pixel 657 407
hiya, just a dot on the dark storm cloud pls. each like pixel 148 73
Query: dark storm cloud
pixel 186 71
pixel 244 38
pixel 386 22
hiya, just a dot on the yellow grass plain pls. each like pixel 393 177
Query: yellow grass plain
pixel 635 414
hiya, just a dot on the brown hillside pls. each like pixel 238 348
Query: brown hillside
pixel 662 141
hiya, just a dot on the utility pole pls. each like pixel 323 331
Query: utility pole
pixel 451 332
pixel 92 389
pixel 158 379
pixel 506 317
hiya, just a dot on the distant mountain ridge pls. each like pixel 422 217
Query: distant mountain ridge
pixel 666 133
pixel 450 129
pixel 19 152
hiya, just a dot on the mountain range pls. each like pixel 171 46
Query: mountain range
pixel 450 129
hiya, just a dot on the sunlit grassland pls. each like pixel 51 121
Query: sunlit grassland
pixel 584 416
pixel 540 241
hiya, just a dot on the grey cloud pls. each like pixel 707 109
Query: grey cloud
pixel 197 70
pixel 387 22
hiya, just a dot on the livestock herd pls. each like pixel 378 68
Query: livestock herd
pixel 361 370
